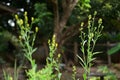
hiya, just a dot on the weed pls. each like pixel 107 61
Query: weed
pixel 105 70
pixel 27 39
pixel 89 39
pixel 74 73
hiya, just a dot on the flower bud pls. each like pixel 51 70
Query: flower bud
pixel 28 25
pixel 59 55
pixel 21 22
pixel 56 45
pixel 95 12
pixel 89 17
pixel 20 37
pixel 36 29
pixel 32 18
pixel 25 14
pixel 16 16
pixel 82 24
pixel 100 21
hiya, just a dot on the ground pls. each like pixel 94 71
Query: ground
pixel 66 71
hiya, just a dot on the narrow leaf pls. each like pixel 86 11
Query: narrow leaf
pixel 114 49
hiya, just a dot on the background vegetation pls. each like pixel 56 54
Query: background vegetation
pixel 61 18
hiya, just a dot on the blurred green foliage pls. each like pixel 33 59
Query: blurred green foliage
pixel 42 10
pixel 110 75
pixel 109 11
pixel 43 19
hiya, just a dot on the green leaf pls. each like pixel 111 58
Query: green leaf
pixel 87 5
pixel 114 49
pixel 34 50
pixel 92 59
pixel 85 76
pixel 94 53
pixel 82 61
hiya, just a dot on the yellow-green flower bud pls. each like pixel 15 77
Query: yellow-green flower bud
pixel 21 22
pixel 89 23
pixel 54 36
pixel 20 37
pixel 36 29
pixel 28 25
pixel 32 18
pixel 59 55
pixel 74 69
pixel 82 24
pixel 25 14
pixel 53 39
pixel 16 16
pixel 100 21
pixel 95 12
pixel 89 17
pixel 80 29
pixel 48 41
pixel 91 35
pixel 26 19
pixel 56 45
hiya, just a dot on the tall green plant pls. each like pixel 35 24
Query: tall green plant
pixel 89 39
pixel 52 65
pixel 27 39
